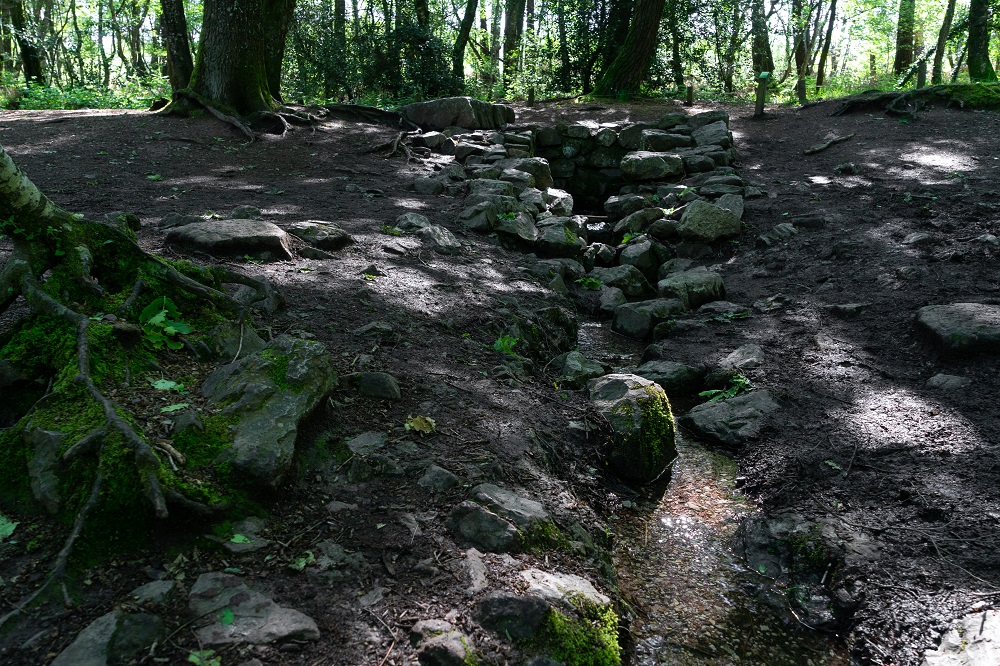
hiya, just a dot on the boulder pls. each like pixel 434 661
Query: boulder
pixel 411 221
pixel 536 166
pixel 114 638
pixel 693 287
pixel 972 640
pixel 637 320
pixel 481 217
pixel 262 240
pixel 732 422
pixel 642 425
pixel 238 614
pixel 439 239
pixel 630 136
pixel 636 222
pixel 703 222
pixel 558 240
pixel 618 207
pixel 525 513
pixel 519 226
pixel 324 235
pixel 646 255
pixel 464 112
pixel 675 378
pixel 473 523
pixel 660 141
pixel 963 328
pixel 559 202
pixel 647 165
pixel 627 278
pixel 575 369
pixel 268 394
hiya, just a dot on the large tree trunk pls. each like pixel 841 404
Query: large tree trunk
pixel 462 40
pixel 175 35
pixel 763 60
pixel 513 27
pixel 942 43
pixel 980 68
pixel 904 37
pixel 821 69
pixel 625 75
pixel 227 73
pixel 31 56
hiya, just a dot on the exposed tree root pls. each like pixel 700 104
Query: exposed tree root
pixel 820 147
pixel 908 102
pixel 368 114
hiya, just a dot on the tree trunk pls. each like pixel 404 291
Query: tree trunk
pixel 175 35
pixel 628 70
pixel 423 14
pixel 673 27
pixel 31 56
pixel 904 37
pixel 462 40
pixel 800 22
pixel 763 60
pixel 942 42
pixel 821 69
pixel 980 68
pixel 513 28
pixel 227 73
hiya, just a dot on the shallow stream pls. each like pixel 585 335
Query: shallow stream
pixel 693 599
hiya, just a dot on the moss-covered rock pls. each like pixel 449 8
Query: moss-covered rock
pixel 642 425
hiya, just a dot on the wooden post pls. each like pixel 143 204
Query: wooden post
pixel 873 70
pixel 762 80
pixel 922 74
pixel 531 96
pixel 689 101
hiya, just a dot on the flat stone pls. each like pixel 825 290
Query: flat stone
pixel 733 422
pixel 324 235
pixel 263 240
pixel 715 134
pixel 973 640
pixel 477 525
pixel 575 369
pixel 949 383
pixel 627 278
pixel 441 114
pixel 116 637
pixel 559 589
pixel 675 378
pixel 523 512
pixel 256 618
pixel 620 206
pixel 379 385
pixel 438 479
pixel 411 221
pixel 155 592
pixel 368 443
pixel 963 328
pixel 512 615
pixel 637 320
pixel 440 240
pixel 660 141
pixel 44 466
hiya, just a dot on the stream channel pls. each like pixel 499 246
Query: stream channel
pixel 694 600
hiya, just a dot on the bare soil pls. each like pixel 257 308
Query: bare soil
pixel 859 437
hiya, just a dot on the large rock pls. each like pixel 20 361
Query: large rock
pixel 525 513
pixel 439 239
pixel 732 422
pixel 114 638
pixel 963 328
pixel 324 235
pixel 464 112
pixel 620 206
pixel 575 369
pixel 627 278
pixel 646 255
pixel 675 378
pixel 558 240
pixel 268 394
pixel 693 288
pixel 473 523
pixel 703 222
pixel 641 422
pixel 974 640
pixel 536 166
pixel 660 141
pixel 256 238
pixel 238 614
pixel 519 226
pixel 637 320
pixel 713 134
pixel 647 165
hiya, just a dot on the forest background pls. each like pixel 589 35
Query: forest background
pixel 118 53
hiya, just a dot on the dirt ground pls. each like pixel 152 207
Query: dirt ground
pixel 860 437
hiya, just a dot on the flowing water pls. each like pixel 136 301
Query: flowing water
pixel 694 601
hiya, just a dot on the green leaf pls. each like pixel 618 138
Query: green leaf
pixel 7 527
pixel 227 617
pixel 154 177
pixel 239 538
pixel 180 327
pixel 174 407
pixel 165 384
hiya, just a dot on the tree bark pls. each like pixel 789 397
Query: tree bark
pixel 763 60
pixel 942 43
pixel 980 67
pixel 513 28
pixel 821 68
pixel 31 56
pixel 175 35
pixel 904 37
pixel 800 23
pixel 462 40
pixel 422 13
pixel 628 70
pixel 229 74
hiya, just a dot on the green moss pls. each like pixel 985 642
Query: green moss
pixel 41 345
pixel 588 637
pixel 808 551
pixel 976 95
pixel 657 434
pixel 278 372
pixel 544 536
pixel 571 237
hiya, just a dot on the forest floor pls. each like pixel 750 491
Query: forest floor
pixel 860 437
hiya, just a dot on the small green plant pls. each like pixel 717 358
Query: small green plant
pixel 391 230
pixel 368 276
pixel 154 177
pixel 737 384
pixel 727 317
pixel 590 283
pixel 161 325
pixel 204 658
pixel 509 216
pixel 505 344
pixel 629 237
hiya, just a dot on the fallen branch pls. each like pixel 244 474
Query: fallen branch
pixel 820 147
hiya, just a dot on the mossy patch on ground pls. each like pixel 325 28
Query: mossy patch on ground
pixel 586 637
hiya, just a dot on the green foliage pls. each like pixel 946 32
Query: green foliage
pixel 133 94
pixel 505 344
pixel 590 283
pixel 161 325
pixel 204 658
pixel 738 384
pixel 588 637
pixel 391 230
